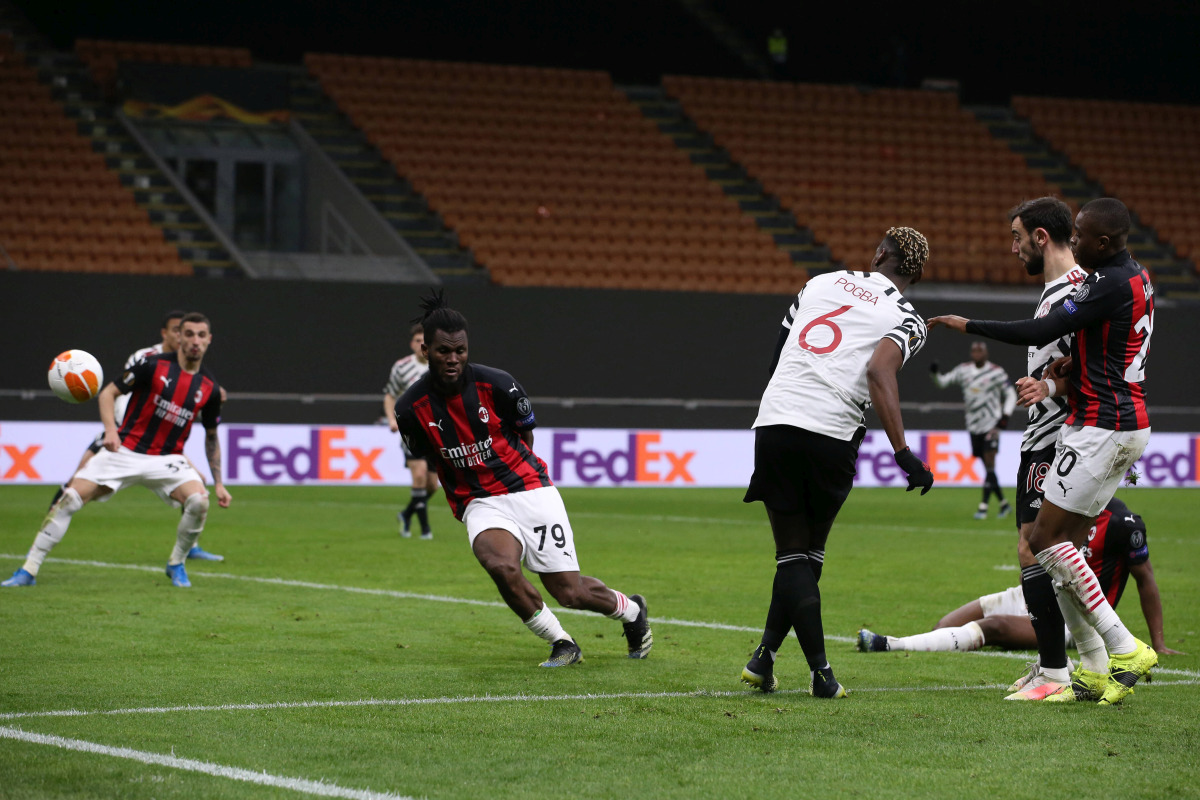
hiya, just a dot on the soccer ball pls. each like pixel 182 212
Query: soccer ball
pixel 75 376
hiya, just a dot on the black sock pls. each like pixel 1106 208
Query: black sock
pixel 816 563
pixel 995 482
pixel 1045 615
pixel 779 621
pixel 418 506
pixel 797 593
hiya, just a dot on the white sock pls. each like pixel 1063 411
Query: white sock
pixel 191 524
pixel 968 637
pixel 626 610
pixel 1072 573
pixel 545 625
pixel 1090 644
pixel 54 528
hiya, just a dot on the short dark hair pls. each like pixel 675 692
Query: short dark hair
pixel 1048 213
pixel 196 316
pixel 437 315
pixel 1111 216
pixel 415 329
pixel 170 315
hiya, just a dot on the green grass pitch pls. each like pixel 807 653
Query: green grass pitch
pixel 306 654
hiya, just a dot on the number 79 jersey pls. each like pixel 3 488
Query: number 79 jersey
pixel 837 321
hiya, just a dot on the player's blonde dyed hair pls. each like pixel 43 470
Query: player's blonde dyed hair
pixel 914 249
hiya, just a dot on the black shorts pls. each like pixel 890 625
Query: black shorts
pixel 1035 464
pixel 980 444
pixel 800 471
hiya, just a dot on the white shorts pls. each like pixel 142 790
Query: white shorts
pixel 1089 465
pixel 1011 603
pixel 160 474
pixel 538 520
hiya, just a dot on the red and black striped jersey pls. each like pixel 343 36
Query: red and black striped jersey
pixel 1112 317
pixel 164 401
pixel 1109 354
pixel 474 438
pixel 1116 542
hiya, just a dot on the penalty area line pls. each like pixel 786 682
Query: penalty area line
pixel 319 788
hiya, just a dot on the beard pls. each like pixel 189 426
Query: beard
pixel 1036 264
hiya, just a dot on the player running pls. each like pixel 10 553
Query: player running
pixel 1116 548
pixel 843 341
pixel 404 374
pixel 167 391
pixel 476 423
pixel 1106 431
pixel 989 400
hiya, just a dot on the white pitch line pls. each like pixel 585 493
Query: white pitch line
pixel 320 788
pixel 511 698
pixel 438 598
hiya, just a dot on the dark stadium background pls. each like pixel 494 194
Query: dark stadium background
pixel 295 338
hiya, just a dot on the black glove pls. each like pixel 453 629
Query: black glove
pixel 933 367
pixel 1003 423
pixel 916 469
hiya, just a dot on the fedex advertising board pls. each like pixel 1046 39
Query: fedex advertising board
pixel 370 455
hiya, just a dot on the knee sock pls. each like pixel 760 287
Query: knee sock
pixel 419 506
pixel 57 495
pixel 54 528
pixel 968 637
pixel 1074 576
pixel 1092 654
pixel 1045 615
pixel 191 524
pixel 796 593
pixel 626 610
pixel 991 477
pixel 546 625
pixel 816 562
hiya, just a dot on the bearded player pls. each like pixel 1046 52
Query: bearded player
pixel 167 391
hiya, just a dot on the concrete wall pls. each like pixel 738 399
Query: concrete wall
pixel 324 338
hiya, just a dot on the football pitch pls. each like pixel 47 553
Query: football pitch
pixel 327 656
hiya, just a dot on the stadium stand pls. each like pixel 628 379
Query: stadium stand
pixel 1141 152
pixel 61 207
pixel 849 163
pixel 554 177
pixel 102 57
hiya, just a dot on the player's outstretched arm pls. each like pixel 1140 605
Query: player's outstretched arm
pixel 1151 606
pixel 885 396
pixel 212 449
pixel 951 321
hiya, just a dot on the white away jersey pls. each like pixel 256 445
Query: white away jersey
pixel 122 401
pixel 1047 417
pixel 837 321
pixel 987 393
pixel 404 374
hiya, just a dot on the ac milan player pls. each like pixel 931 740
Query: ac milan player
pixel 842 343
pixel 168 391
pixel 476 424
pixel 1116 549
pixel 1106 430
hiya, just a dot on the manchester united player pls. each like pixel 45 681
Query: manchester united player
pixel 1106 430
pixel 404 374
pixel 168 391
pixel 1116 549
pixel 841 345
pixel 476 423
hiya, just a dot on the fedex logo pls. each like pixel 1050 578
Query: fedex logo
pixel 17 462
pixel 1173 470
pixel 322 458
pixel 641 460
pixel 948 464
